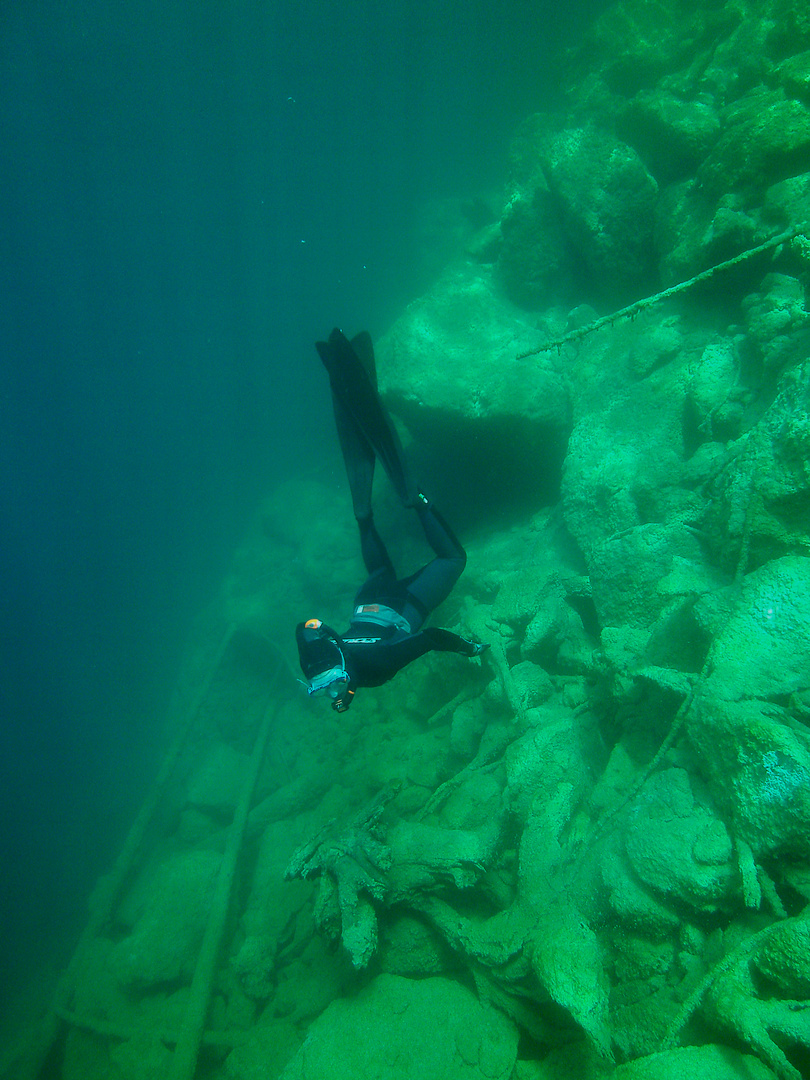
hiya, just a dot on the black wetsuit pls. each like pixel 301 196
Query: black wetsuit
pixel 385 633
pixel 376 649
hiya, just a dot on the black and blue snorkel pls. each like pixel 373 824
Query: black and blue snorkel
pixel 323 663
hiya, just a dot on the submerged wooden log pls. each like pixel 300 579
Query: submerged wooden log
pixel 638 306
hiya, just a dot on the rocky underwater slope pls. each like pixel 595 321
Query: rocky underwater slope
pixel 588 854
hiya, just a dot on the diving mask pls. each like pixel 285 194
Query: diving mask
pixel 328 681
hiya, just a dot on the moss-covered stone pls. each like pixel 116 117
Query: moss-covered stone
pixel 607 197
pixel 761 771
pixel 794 75
pixel 680 849
pixel 535 262
pixel 672 135
pixel 695 1063
pixel 766 138
pixel 408 1030
pixel 163 944
pixel 635 43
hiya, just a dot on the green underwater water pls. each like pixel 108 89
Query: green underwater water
pixel 586 854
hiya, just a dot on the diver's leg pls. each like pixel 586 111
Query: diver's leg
pixel 382 579
pixel 428 587
pixel 376 558
pixel 438 533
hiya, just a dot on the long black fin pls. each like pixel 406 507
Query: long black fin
pixel 355 388
pixel 364 347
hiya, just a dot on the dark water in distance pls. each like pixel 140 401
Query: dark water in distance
pixel 191 194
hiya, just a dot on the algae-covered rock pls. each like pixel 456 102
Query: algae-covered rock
pixel 270 911
pixel 784 959
pixel 468 723
pixel 217 783
pixel 773 315
pixel 712 410
pixel 411 948
pixel 789 29
pixel 679 849
pixel 566 958
pixel 527 591
pixel 794 75
pixel 760 768
pixel 608 201
pixel 536 262
pixel 782 470
pixel 637 42
pixel 766 138
pixel 788 201
pixel 753 1010
pixel 541 843
pixel 762 498
pixel 141 1058
pixel 637 909
pixel 762 651
pixel 547 756
pixel 407 1030
pixel 308 979
pixel 739 60
pixel 660 344
pixel 264 1053
pixel 671 135
pixel 166 938
pixel 431 364
pixel 683 231
pixel 644 571
pixel 532 684
pixel 695 1063
pixel 626 449
pixel 449 370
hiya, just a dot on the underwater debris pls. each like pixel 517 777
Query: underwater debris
pixel 351 867
pixel 738 1002
pixel 631 310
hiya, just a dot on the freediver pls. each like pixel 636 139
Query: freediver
pixel 386 630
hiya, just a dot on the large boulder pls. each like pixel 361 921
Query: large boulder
pixel 449 369
pixel 672 135
pixel 680 849
pixel 407 1030
pixel 762 651
pixel 163 945
pixel 766 138
pixel 536 262
pixel 695 1063
pixel 760 769
pixel 637 42
pixel 624 457
pixel 607 197
pixel 762 495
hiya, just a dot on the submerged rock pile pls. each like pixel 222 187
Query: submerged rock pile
pixel 591 857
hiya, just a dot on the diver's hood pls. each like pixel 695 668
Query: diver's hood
pixel 318 648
